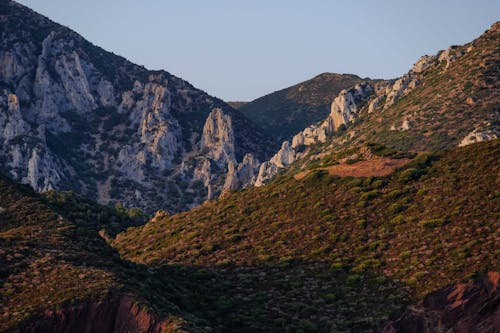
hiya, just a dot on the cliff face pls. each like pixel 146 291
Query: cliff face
pixel 73 116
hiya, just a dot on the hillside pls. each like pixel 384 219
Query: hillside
pixel 333 248
pixel 76 117
pixel 285 112
pixel 57 272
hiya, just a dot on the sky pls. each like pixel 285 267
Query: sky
pixel 239 50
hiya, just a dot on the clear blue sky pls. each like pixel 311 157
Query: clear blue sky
pixel 243 49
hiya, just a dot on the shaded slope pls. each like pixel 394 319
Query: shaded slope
pixel 285 112
pixel 430 224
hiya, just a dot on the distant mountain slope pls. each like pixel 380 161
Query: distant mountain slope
pixel 58 275
pixel 324 245
pixel 75 117
pixel 286 112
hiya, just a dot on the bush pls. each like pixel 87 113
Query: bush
pixel 396 220
pixel 433 223
pixel 369 195
pixel 362 223
pixel 410 174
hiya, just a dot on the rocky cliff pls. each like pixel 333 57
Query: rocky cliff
pixel 73 116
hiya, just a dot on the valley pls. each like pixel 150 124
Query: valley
pixel 132 201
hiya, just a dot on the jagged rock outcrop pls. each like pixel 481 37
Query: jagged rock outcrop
pixel 73 116
pixel 347 104
pixel 451 54
pixel 478 136
pixel 472 307
pixel 218 137
pixel 240 175
pixel 369 97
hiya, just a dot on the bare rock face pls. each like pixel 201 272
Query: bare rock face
pixel 472 307
pixel 242 174
pixel 346 105
pixel 450 55
pixel 75 117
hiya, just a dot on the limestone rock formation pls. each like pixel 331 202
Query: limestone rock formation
pixel 450 55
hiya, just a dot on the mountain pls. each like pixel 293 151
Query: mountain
pixel 288 111
pixel 445 100
pixel 321 253
pixel 75 117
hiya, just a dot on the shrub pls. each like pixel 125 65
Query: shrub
pixel 410 174
pixel 405 254
pixel 398 219
pixel 369 195
pixel 394 194
pixel 395 208
pixel 433 223
pixel 362 223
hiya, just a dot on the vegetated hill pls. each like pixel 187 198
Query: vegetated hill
pixel 58 275
pixel 445 100
pixel 285 112
pixel 328 253
pixel 76 117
